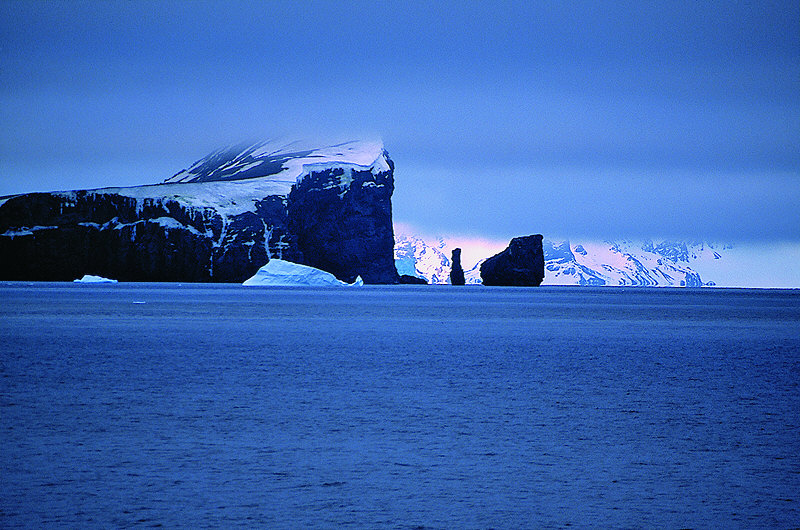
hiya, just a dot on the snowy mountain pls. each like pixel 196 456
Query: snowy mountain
pixel 415 257
pixel 283 162
pixel 620 263
pixel 664 264
pixel 429 259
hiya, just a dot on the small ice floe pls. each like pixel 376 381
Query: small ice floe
pixel 285 273
pixel 88 278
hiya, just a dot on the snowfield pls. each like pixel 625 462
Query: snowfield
pixel 283 161
pixel 231 180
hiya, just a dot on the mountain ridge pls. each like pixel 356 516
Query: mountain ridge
pixel 668 263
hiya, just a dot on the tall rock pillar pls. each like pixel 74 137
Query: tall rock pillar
pixel 456 271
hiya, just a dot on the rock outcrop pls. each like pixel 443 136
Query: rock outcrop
pixel 521 264
pixel 407 279
pixel 456 271
pixel 218 221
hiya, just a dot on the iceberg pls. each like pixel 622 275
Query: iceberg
pixel 88 278
pixel 282 273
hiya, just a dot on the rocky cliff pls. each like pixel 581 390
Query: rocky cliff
pixel 521 264
pixel 218 221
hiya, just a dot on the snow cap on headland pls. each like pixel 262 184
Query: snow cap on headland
pixel 282 161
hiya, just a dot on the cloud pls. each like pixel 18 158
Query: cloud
pixel 626 118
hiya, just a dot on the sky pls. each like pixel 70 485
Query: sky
pixel 571 119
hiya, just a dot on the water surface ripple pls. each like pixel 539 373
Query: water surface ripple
pixel 404 407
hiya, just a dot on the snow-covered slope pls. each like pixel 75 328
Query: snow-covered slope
pixel 414 257
pixel 472 276
pixel 619 263
pixel 232 180
pixel 429 258
pixel 285 273
pixel 283 162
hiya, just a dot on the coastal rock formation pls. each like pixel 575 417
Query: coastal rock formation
pixel 456 272
pixel 521 264
pixel 218 221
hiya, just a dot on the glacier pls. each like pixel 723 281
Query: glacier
pixel 640 264
pixel 285 273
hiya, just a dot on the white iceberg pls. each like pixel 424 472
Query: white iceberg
pixel 88 278
pixel 282 273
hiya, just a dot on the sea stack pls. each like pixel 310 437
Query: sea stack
pixel 456 271
pixel 521 264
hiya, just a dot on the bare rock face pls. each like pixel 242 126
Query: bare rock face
pixel 218 221
pixel 348 234
pixel 456 271
pixel 521 264
pixel 407 279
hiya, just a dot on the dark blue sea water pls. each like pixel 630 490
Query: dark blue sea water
pixel 438 407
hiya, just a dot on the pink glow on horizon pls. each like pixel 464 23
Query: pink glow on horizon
pixel 473 248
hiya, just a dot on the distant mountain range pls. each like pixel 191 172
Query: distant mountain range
pixel 646 264
pixel 414 256
pixel 643 263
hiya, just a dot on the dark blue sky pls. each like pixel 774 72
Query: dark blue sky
pixel 586 119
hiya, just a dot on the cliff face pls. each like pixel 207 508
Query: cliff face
pixel 327 207
pixel 347 233
pixel 521 264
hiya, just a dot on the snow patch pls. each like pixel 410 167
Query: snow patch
pixel 227 198
pixel 285 162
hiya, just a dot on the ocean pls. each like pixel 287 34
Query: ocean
pixel 148 405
